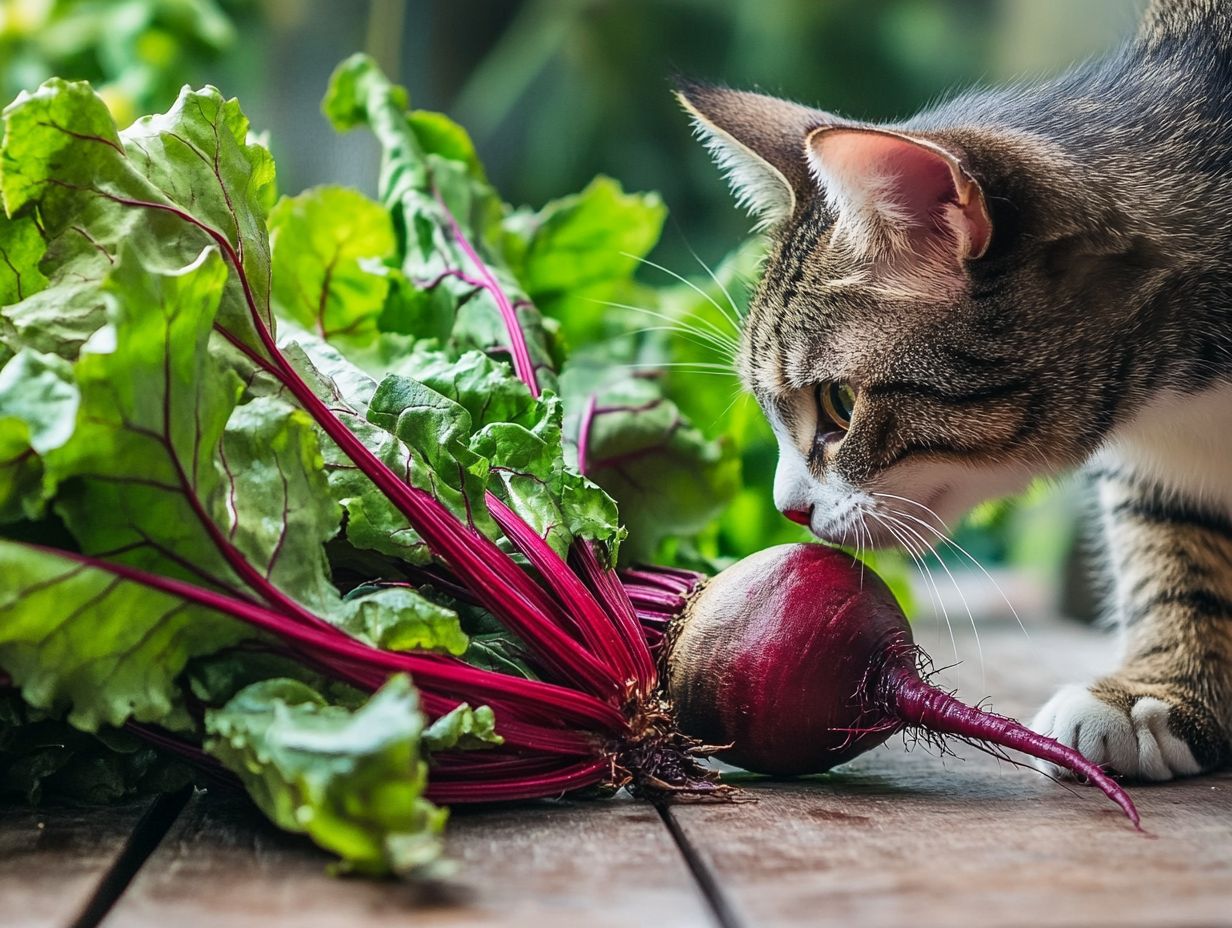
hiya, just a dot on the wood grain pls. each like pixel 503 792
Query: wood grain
pixel 54 861
pixel 902 837
pixel 562 864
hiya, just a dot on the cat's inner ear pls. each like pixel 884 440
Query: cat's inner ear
pixel 900 193
pixel 758 141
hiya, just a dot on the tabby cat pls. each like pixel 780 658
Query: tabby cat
pixel 1013 283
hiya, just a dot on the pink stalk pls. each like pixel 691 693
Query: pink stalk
pixel 516 731
pixel 438 672
pixel 523 366
pixel 536 786
pixel 663 578
pixel 605 588
pixel 470 764
pixel 588 418
pixel 656 599
pixel 600 635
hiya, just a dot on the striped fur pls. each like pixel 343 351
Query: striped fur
pixel 1096 329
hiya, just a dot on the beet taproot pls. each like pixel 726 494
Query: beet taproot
pixel 795 660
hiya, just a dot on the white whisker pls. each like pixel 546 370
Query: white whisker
pixel 698 366
pixel 934 594
pixel 722 287
pixel 960 549
pixel 698 338
pixel 688 283
pixel 675 321
pixel 954 581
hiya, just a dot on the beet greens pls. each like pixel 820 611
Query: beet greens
pixel 222 532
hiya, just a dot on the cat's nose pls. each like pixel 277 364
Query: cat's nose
pixel 801 516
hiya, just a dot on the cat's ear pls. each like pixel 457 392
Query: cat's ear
pixel 759 143
pixel 901 192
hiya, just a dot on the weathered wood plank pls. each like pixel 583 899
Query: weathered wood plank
pixel 902 837
pixel 552 864
pixel 58 864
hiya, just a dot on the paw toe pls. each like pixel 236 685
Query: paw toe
pixel 1138 743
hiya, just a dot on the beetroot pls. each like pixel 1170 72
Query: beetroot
pixel 796 661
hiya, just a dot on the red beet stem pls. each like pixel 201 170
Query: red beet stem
pixel 910 699
pixel 598 632
pixel 537 786
pixel 523 364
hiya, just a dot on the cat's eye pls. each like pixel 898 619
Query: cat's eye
pixel 836 402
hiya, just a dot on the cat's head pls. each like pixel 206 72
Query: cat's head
pixel 913 340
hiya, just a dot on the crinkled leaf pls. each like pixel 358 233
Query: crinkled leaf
pixel 434 431
pixel 463 728
pixel 399 619
pixel 77 638
pixel 666 477
pixel 166 187
pixel 520 437
pixel 21 248
pixel 328 247
pixel 38 410
pixel 583 249
pixel 353 781
pixel 43 757
pixel 487 389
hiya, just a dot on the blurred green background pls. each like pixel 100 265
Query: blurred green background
pixel 556 91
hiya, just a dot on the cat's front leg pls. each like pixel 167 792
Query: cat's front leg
pixel 1167 711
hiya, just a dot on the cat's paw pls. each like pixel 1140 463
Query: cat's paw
pixel 1135 734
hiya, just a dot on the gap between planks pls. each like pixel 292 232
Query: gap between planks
pixel 707 882
pixel 149 832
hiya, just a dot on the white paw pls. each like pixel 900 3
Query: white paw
pixel 1136 745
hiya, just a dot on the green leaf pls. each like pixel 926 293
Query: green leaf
pixel 154 404
pixel 583 249
pixel 38 410
pixel 75 637
pixel 165 472
pixel 464 729
pixel 166 187
pixel 399 619
pixel 21 249
pixel 42 757
pixel 353 781
pixel 666 477
pixel 328 247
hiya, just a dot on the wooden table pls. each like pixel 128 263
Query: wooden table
pixel 898 837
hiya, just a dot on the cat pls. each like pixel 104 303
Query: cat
pixel 1014 283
